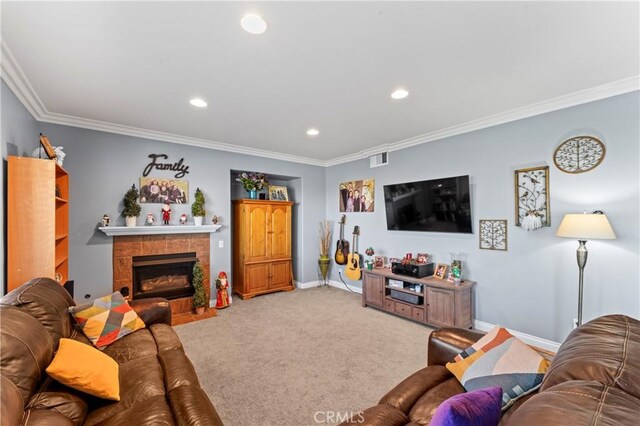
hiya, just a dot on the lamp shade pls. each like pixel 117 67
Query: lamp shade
pixel 586 227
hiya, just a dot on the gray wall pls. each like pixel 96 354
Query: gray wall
pixel 533 286
pixel 102 166
pixel 19 135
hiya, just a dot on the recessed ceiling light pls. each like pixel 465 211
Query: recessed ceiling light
pixel 197 102
pixel 253 24
pixel 399 94
pixel 313 132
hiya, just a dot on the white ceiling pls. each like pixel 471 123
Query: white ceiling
pixel 320 64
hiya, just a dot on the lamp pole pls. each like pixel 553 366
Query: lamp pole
pixel 581 255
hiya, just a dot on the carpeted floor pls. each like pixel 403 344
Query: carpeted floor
pixel 279 359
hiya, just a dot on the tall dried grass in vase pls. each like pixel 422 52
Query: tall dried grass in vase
pixel 325 238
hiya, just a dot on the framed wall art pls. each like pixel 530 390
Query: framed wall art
pixel 579 154
pixel 532 197
pixel 493 234
pixel 155 190
pixel 357 196
pixel 278 193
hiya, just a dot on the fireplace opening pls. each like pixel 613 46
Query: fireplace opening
pixel 164 275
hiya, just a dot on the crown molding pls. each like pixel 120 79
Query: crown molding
pixel 608 90
pixel 13 76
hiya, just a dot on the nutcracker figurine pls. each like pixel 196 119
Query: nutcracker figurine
pixel 166 213
pixel 223 295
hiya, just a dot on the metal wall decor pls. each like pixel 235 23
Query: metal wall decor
pixel 493 234
pixel 579 154
pixel 532 197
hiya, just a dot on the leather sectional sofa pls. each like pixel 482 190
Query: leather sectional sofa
pixel 594 379
pixel 158 384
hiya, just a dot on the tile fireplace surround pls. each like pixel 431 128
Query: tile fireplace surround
pixel 125 247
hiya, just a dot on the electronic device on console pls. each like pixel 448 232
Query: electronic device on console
pixel 412 270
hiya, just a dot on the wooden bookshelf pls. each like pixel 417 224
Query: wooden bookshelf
pixel 37 221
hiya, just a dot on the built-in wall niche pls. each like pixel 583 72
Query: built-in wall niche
pixel 292 183
pixel 294 190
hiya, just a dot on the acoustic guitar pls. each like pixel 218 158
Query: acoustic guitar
pixel 342 249
pixel 353 271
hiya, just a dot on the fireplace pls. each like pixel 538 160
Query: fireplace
pixel 163 275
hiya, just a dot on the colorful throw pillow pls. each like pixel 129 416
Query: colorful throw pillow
pixel 480 407
pixel 106 319
pixel 499 359
pixel 84 368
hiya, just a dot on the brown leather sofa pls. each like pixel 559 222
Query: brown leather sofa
pixel 594 379
pixel 158 384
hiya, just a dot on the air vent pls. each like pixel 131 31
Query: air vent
pixel 379 160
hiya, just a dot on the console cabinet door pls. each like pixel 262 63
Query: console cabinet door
pixel 373 290
pixel 441 306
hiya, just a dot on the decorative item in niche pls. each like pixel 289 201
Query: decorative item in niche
pixel 159 190
pixel 252 183
pixel 579 154
pixel 178 167
pixel 532 198
pixel 278 193
pixel 357 195
pixel 493 234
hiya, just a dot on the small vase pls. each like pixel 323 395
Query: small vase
pixel 197 220
pixel 200 310
pixel 131 221
pixel 253 194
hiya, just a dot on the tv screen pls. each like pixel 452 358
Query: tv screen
pixel 438 205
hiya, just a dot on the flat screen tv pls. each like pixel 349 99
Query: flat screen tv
pixel 438 205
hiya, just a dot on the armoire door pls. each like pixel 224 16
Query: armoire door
pixel 280 274
pixel 256 239
pixel 280 232
pixel 256 277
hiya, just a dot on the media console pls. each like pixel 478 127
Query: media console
pixel 440 303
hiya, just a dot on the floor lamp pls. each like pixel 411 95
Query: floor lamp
pixel 585 227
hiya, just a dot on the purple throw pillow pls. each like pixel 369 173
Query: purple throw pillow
pixel 480 407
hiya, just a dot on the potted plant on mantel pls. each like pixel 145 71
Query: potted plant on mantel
pixel 325 240
pixel 197 208
pixel 131 207
pixel 199 295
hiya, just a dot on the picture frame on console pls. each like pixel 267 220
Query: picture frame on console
pixel 440 271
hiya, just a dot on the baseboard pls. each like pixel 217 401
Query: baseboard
pixel 336 284
pixel 536 341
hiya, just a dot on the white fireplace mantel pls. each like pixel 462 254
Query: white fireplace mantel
pixel 118 231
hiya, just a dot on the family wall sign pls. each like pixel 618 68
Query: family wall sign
pixel 178 167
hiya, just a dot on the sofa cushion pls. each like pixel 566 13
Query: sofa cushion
pixel 424 408
pixel 27 349
pixel 132 346
pixel 86 369
pixel 66 403
pixel 480 407
pixel 577 403
pixel 12 404
pixel 604 350
pixel 499 359
pixel 192 406
pixel 48 302
pixel 38 417
pixel 378 415
pixel 106 319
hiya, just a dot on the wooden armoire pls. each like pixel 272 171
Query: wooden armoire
pixel 261 247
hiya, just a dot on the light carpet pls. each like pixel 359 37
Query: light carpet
pixel 302 357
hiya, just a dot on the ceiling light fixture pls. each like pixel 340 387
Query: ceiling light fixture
pixel 197 102
pixel 399 94
pixel 313 132
pixel 253 24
